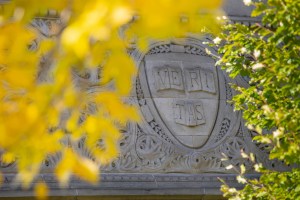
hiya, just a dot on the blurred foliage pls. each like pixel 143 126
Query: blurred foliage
pixel 43 115
pixel 268 54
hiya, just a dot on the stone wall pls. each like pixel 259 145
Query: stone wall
pixel 188 124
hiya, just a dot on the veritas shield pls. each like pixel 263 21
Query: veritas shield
pixel 185 93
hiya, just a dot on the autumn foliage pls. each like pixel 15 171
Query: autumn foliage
pixel 267 54
pixel 43 111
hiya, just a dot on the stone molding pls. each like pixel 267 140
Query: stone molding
pixel 129 184
pixel 155 159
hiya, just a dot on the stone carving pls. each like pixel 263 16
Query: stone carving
pixel 228 91
pixel 172 87
pixel 233 148
pixel 196 79
pixel 160 49
pixel 183 94
pixel 187 123
pixel 148 117
pixel 168 78
pixel 4 165
pixel 195 50
pixel 200 79
pixel 224 129
pixel 152 146
pixel 151 151
pixel 188 113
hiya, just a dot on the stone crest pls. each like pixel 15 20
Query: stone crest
pixel 188 123
pixel 183 92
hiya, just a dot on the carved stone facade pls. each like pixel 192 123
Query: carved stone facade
pixel 187 126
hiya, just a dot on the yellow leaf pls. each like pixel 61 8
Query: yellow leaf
pixel 243 169
pixel 64 168
pixel 8 157
pixel 121 15
pixel 47 97
pixel 1 179
pixel 91 125
pixel 41 191
pixel 87 170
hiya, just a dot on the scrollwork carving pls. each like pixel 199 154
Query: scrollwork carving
pixel 224 129
pixel 148 146
pixel 195 51
pixel 233 148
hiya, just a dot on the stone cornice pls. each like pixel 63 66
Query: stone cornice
pixel 129 184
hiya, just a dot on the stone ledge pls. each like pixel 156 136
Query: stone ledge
pixel 130 184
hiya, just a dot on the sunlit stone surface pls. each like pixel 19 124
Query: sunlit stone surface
pixel 187 125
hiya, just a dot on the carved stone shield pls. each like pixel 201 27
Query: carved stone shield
pixel 184 90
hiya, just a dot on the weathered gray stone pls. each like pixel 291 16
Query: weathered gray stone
pixel 188 125
pixel 136 184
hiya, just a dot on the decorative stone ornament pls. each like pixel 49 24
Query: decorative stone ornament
pixel 183 99
pixel 187 125
pixel 183 92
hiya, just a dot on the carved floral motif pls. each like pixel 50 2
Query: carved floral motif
pixel 149 146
